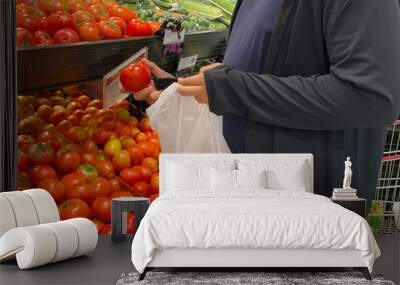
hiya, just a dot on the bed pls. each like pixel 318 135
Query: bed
pixel 238 222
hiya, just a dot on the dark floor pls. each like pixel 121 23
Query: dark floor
pixel 103 266
pixel 110 260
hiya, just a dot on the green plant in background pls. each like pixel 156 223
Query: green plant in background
pixel 375 216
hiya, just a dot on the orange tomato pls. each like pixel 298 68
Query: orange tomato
pixel 115 184
pixel 148 149
pixel 140 137
pixel 151 163
pixel 83 100
pixel 76 134
pixel 130 176
pixel 99 12
pixel 121 160
pixel 155 184
pixel 144 125
pixel 95 103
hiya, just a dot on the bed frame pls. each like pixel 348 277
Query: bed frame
pixel 242 259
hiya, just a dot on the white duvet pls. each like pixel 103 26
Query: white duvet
pixel 250 219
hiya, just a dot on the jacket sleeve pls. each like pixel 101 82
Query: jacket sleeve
pixel 361 91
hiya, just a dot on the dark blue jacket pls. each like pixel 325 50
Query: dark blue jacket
pixel 330 86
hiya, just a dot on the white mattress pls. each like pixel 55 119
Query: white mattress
pixel 250 219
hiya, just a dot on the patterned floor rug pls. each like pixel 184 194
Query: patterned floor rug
pixel 253 278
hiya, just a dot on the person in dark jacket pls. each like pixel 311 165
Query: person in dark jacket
pixel 308 76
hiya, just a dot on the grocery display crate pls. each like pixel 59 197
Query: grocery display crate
pixel 384 216
pixel 42 67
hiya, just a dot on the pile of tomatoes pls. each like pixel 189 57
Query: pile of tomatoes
pixel 47 22
pixel 84 155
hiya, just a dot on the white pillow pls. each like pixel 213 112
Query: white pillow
pixel 223 179
pixel 251 178
pixel 288 175
pixel 181 178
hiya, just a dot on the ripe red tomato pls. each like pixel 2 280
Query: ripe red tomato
pixel 120 11
pixel 109 29
pixel 151 163
pixel 76 5
pixel 130 176
pixel 88 120
pixel 81 191
pixel 83 100
pixel 148 149
pixel 40 153
pixel 22 161
pixel 144 125
pixel 100 187
pixel 55 187
pixel 154 26
pixel 40 172
pixel 49 137
pixel 64 126
pixel 42 38
pixel 25 141
pixel 101 208
pixel 89 171
pixel 74 120
pixel 66 36
pixel 131 223
pixel 31 22
pixel 101 136
pixel 132 122
pixel 51 6
pixel 156 143
pixel 24 38
pixel 120 22
pixel 73 106
pixel 58 115
pixel 155 184
pixel 99 224
pixel 136 155
pixel 138 28
pixel 121 160
pixel 74 208
pixel 141 189
pixel 89 32
pixel 135 77
pixel 106 229
pixel 67 161
pixel 59 20
pixel 105 168
pixel 95 103
pixel 115 184
pixel 140 137
pixel 90 110
pixel 73 179
pixel 76 134
pixel 99 12
pixel 120 194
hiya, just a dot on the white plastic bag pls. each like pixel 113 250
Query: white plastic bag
pixel 186 126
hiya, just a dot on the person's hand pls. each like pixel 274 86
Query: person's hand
pixel 209 67
pixel 150 94
pixel 194 86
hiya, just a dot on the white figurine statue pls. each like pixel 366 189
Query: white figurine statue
pixel 347 174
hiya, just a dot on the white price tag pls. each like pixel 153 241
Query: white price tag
pixel 187 62
pixel 173 37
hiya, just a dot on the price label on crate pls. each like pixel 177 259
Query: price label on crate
pixel 186 65
pixel 111 84
pixel 172 37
